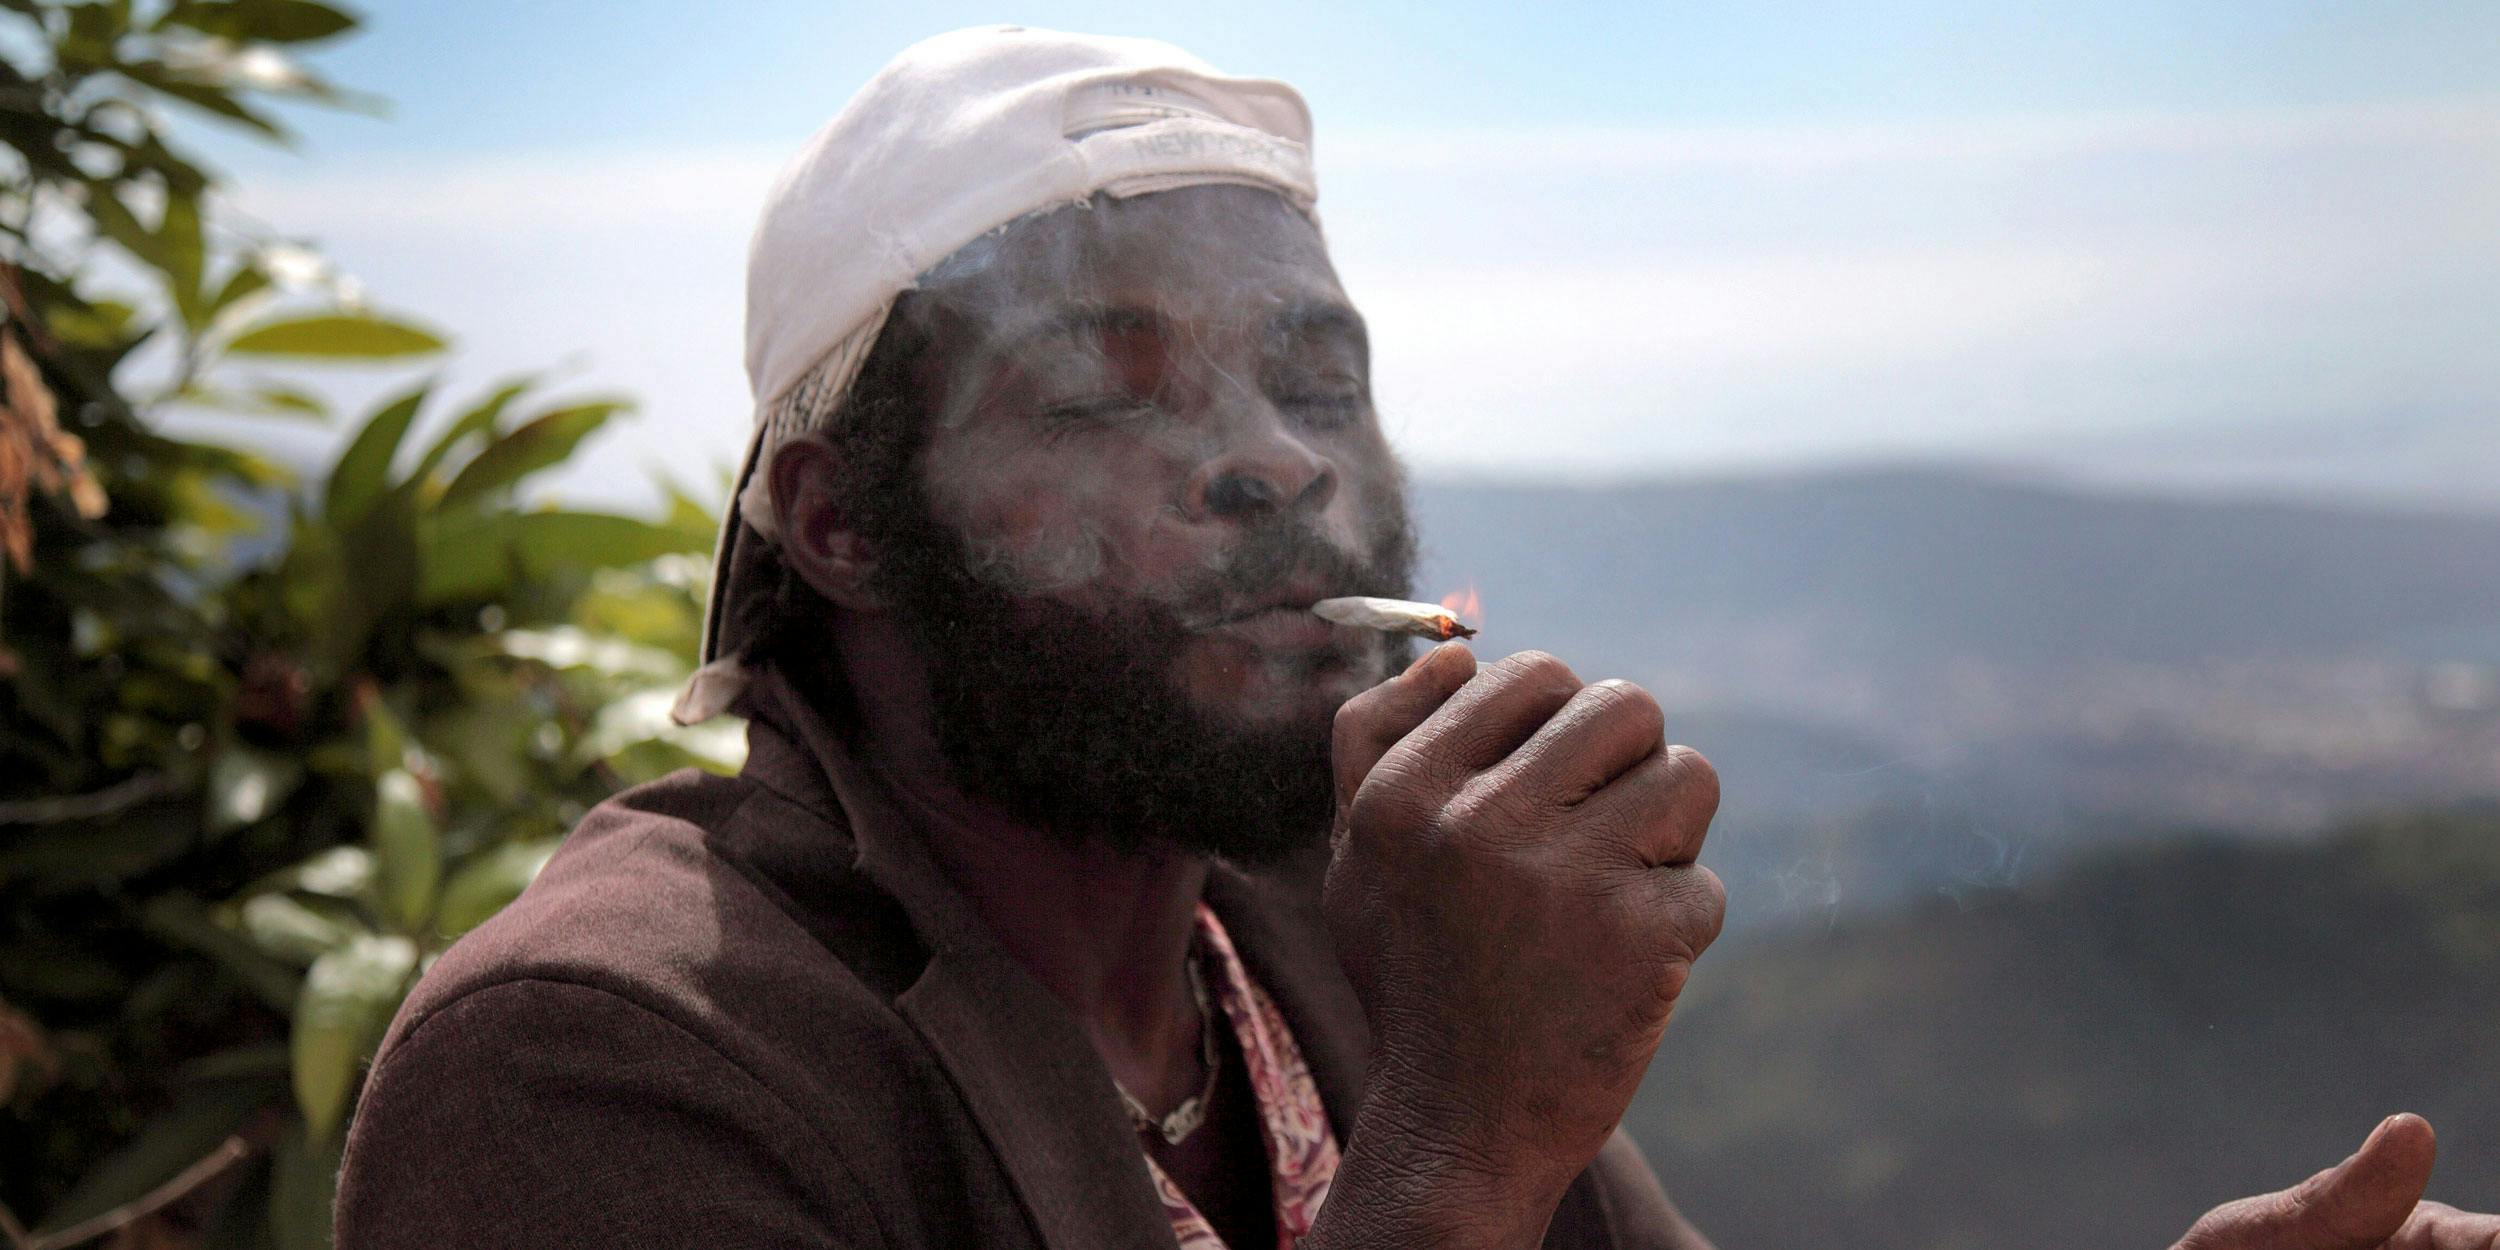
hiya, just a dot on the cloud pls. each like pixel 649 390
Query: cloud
pixel 1804 147
pixel 1588 300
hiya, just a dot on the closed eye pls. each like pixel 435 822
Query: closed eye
pixel 1095 410
pixel 1328 401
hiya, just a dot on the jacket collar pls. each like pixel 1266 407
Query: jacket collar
pixel 1034 1084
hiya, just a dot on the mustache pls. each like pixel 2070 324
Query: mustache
pixel 1285 550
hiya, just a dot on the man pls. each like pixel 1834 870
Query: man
pixel 1064 423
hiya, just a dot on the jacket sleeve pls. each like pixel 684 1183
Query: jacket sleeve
pixel 1617 1204
pixel 549 1114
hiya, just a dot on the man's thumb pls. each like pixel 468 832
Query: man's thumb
pixel 1374 721
pixel 2355 1205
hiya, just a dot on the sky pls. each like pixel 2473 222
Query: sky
pixel 2218 245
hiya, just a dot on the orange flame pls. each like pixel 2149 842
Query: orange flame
pixel 1466 605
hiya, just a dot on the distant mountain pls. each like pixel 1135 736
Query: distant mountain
pixel 1925 565
pixel 2096 1058
pixel 1915 679
pixel 2446 457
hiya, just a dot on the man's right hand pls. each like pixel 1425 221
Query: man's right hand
pixel 1514 894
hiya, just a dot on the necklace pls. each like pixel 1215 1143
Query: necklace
pixel 1185 1118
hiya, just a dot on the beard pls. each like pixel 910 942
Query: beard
pixel 1075 722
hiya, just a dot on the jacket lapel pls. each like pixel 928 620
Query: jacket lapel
pixel 1042 1097
pixel 1276 925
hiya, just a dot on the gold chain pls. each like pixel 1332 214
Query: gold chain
pixel 1185 1118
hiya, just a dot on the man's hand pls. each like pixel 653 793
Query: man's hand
pixel 1515 897
pixel 2369 1201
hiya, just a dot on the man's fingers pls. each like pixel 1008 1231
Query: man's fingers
pixel 2362 1201
pixel 1374 721
pixel 2358 1204
pixel 2438 1226
pixel 1660 808
pixel 1489 717
pixel 1602 731
pixel 1479 717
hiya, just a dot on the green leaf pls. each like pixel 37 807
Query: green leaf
pixel 487 882
pixel 466 556
pixel 349 996
pixel 184 921
pixel 245 785
pixel 386 740
pixel 115 221
pixel 537 444
pixel 246 281
pixel 699 525
pixel 376 574
pixel 271 399
pixel 407 849
pixel 285 929
pixel 303 1187
pixel 363 470
pixel 344 872
pixel 104 324
pixel 567 646
pixel 272 21
pixel 279 397
pixel 206 96
pixel 479 419
pixel 489 737
pixel 636 737
pixel 183 255
pixel 90 33
pixel 469 555
pixel 340 336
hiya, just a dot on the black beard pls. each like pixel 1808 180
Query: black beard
pixel 1074 723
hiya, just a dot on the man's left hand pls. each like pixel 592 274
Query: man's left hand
pixel 2371 1201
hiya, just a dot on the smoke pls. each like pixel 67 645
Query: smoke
pixel 1143 419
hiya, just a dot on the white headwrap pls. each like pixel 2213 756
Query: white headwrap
pixel 958 136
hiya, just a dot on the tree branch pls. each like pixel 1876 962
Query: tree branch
pixel 181 1186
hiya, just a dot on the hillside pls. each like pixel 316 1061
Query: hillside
pixel 2095 1058
pixel 1920 565
pixel 1973 673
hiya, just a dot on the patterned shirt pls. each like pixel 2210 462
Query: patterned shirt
pixel 1301 1151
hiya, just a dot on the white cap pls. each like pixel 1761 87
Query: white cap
pixel 958 136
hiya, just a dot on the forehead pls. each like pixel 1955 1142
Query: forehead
pixel 1193 253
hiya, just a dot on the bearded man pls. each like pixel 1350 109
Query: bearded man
pixel 1002 936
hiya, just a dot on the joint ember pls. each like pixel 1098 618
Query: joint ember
pixel 1395 616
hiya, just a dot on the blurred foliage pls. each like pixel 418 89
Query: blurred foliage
pixel 268 742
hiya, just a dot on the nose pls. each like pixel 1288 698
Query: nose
pixel 1263 472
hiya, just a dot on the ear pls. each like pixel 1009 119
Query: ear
pixel 817 540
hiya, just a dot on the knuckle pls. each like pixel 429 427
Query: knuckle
pixel 1539 668
pixel 1475 810
pixel 1696 901
pixel 1696 781
pixel 1356 716
pixel 1619 698
pixel 1352 726
pixel 1390 799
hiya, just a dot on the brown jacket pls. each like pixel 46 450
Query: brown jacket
pixel 748 1011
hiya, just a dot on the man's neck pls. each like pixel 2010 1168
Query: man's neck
pixel 1107 933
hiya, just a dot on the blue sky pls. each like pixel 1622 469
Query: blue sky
pixel 494 73
pixel 2166 243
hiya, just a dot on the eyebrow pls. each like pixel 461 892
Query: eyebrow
pixel 1319 317
pixel 1066 321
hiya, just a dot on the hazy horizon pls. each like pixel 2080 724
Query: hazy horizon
pixel 2245 250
